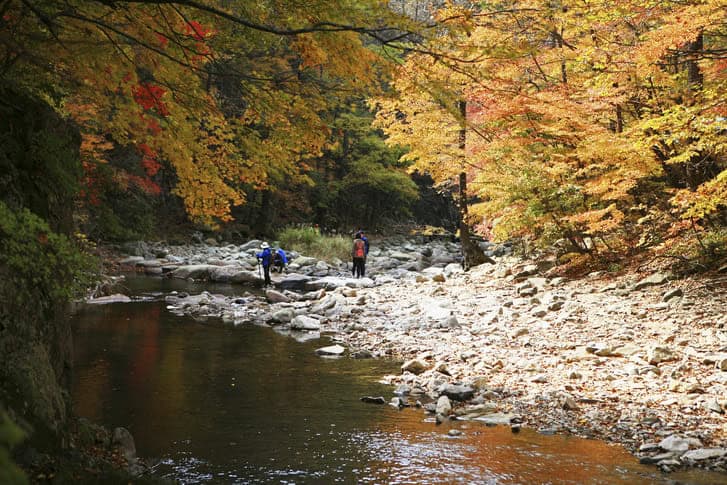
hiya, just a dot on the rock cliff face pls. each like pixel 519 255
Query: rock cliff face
pixel 39 170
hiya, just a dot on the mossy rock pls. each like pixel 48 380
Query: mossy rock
pixel 31 389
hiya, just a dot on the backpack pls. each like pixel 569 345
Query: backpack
pixel 359 250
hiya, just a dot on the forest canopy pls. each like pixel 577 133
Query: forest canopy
pixel 590 121
pixel 601 124
pixel 207 99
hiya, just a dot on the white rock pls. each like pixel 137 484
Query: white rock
pixel 678 443
pixel 331 350
pixel 444 406
pixel 117 298
pixel 304 322
pixel 659 354
pixel 704 454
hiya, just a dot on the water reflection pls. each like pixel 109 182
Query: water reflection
pixel 217 404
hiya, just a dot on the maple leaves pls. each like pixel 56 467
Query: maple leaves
pixel 174 81
pixel 149 97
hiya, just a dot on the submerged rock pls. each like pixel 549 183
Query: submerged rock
pixel 125 442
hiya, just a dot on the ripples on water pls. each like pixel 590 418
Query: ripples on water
pixel 216 404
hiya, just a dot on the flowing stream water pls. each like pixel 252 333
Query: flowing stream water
pixel 213 403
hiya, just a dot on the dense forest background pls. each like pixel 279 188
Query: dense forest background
pixel 596 128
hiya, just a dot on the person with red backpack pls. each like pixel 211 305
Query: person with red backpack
pixel 358 253
pixel 364 239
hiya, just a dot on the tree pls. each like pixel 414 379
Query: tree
pixel 223 96
pixel 573 111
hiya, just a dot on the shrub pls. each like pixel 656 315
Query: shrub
pixel 10 435
pixel 36 259
pixel 310 242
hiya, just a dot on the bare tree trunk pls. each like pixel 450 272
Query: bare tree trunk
pixel 695 78
pixel 472 255
pixel 619 119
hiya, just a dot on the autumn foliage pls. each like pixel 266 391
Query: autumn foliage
pixel 584 122
pixel 212 97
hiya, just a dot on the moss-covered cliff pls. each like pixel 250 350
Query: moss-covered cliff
pixel 40 269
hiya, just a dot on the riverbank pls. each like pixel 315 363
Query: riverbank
pixel 640 362
pixel 638 359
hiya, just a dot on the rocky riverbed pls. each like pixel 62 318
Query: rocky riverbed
pixel 638 359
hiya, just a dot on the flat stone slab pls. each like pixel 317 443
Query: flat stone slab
pixel 294 282
pixel 704 454
pixel 496 418
pixel 102 300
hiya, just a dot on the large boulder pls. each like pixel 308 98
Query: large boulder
pixel 123 440
pixel 326 283
pixel 359 282
pixel 456 392
pixel 245 276
pixel 222 274
pixel 284 315
pixel 294 281
pixel 402 256
pixel 253 245
pixel 304 322
pixel 384 263
pixel 194 271
pixel 276 297
pixel 655 279
pixel 676 443
pixel 304 261
pixel 453 268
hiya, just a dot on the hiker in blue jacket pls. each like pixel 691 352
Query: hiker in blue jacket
pixel 280 260
pixel 266 257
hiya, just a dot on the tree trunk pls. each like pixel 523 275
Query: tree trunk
pixel 472 255
pixel 695 78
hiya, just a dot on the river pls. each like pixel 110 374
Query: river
pixel 208 402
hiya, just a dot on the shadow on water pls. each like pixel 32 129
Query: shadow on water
pixel 222 404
